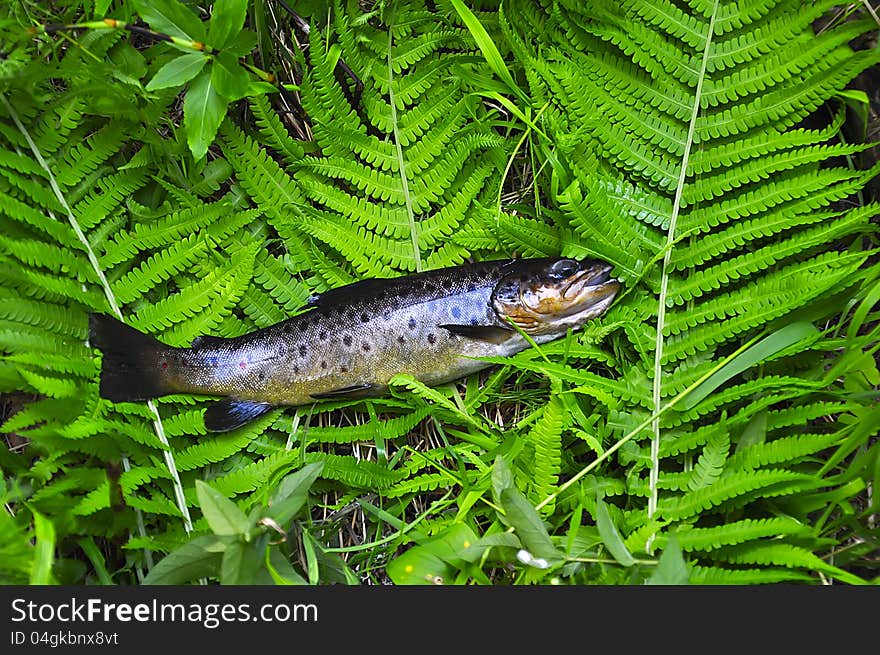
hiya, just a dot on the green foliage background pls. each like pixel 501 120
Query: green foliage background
pixel 717 425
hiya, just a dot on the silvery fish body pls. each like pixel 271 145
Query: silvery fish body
pixel 354 339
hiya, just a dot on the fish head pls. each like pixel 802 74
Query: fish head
pixel 549 296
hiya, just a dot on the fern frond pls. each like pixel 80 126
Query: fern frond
pixel 273 131
pixel 694 539
pixel 787 555
pixel 388 429
pixel 253 475
pixel 353 472
pixel 546 439
pixel 85 156
pixel 417 484
pixel 770 482
pixel 784 449
pixel 714 575
pixel 710 465
pixel 215 289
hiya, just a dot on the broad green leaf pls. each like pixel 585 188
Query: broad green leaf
pixel 782 338
pixel 229 78
pixel 178 71
pixel 671 568
pixel 44 550
pixel 292 492
pixel 280 569
pixel 203 111
pixel 200 558
pixel 242 44
pixel 500 540
pixel 487 46
pixel 502 478
pixel 528 526
pixel 755 432
pixel 227 19
pixel 457 545
pixel 242 561
pixel 308 546
pixel 96 557
pixel 436 559
pixel 418 566
pixel 101 8
pixel 858 101
pixel 610 536
pixel 223 515
pixel 172 18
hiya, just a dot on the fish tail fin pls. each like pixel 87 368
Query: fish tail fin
pixel 130 369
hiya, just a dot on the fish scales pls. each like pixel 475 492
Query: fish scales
pixel 354 339
pixel 392 328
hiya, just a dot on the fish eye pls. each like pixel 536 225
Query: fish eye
pixel 564 268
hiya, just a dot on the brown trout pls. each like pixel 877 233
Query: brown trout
pixel 355 338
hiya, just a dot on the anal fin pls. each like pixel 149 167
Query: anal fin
pixel 490 333
pixel 229 414
pixel 351 391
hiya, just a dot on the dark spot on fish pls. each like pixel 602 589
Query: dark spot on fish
pixel 365 318
pixel 456 312
pixel 412 324
pixel 323 335
pixel 346 339
pixel 475 321
pixel 471 287
pixel 282 350
pixel 432 339
pixel 386 314
pixel 262 376
pixel 302 351
pixel 343 369
pixel 401 340
pixel 323 364
pixel 164 365
pixel 211 361
pixel 242 365
pixel 295 368
pixel 366 347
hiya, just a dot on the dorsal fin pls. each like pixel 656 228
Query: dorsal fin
pixel 479 273
pixel 350 293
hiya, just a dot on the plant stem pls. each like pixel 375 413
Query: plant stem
pixel 401 164
pixel 657 392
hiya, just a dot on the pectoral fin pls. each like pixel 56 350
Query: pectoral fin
pixel 229 414
pixel 351 391
pixel 491 333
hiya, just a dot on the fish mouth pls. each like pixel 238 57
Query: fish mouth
pixel 551 307
pixel 545 303
pixel 590 281
pixel 588 291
